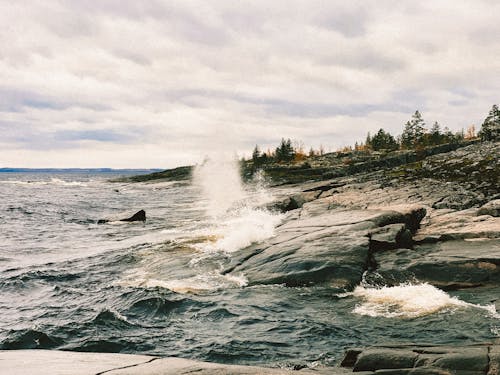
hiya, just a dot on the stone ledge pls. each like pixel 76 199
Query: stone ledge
pixel 56 362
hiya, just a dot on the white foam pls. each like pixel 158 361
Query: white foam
pixel 238 222
pixel 195 284
pixel 246 227
pixel 408 301
pixel 52 181
pixel 220 183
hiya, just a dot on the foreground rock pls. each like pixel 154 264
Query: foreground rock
pixel 394 360
pixel 53 362
pixel 425 360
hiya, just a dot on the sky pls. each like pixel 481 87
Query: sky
pixel 158 84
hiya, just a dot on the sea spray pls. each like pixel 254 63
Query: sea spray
pixel 408 301
pixel 236 211
pixel 235 218
pixel 220 184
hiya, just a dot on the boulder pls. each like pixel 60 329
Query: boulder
pixel 138 216
pixel 296 201
pixel 420 360
pixel 385 359
pixel 391 236
pixel 491 208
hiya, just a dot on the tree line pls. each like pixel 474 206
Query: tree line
pixel 415 135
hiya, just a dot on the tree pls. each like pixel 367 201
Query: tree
pixel 383 141
pixel 435 136
pixel 285 152
pixel 257 157
pixel 407 136
pixel 368 140
pixel 418 128
pixel 490 130
pixel 413 132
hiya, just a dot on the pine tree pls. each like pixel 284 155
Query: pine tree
pixel 435 135
pixel 368 141
pixel 490 130
pixel 256 156
pixel 383 141
pixel 285 152
pixel 407 138
pixel 418 128
pixel 413 132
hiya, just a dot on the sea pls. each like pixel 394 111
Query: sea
pixel 155 287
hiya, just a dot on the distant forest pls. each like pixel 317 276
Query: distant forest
pixel 415 136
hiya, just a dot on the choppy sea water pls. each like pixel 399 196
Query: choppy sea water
pixel 155 288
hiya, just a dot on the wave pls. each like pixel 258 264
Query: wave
pixel 52 181
pixel 153 307
pixel 198 284
pixel 109 318
pixel 409 301
pixel 30 339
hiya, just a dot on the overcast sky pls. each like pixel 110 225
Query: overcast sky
pixel 113 83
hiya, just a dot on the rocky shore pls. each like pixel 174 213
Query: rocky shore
pixel 429 218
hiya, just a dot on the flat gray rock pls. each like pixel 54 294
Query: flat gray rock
pixel 54 362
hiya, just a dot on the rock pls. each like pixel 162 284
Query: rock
pixel 446 225
pixel 491 208
pixel 448 265
pixel 138 216
pixel 391 236
pixel 384 359
pixel 54 362
pixel 420 360
pixel 297 201
pixel 494 365
pixel 320 246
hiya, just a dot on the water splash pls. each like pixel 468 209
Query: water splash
pixel 409 301
pixel 238 217
pixel 220 184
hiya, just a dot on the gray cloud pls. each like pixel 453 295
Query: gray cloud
pixel 159 83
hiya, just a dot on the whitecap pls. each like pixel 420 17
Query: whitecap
pixel 409 301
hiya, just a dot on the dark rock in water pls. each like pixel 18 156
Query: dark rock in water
pixel 138 216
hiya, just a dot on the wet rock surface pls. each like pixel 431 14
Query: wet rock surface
pixel 435 221
pixel 320 245
pixel 445 360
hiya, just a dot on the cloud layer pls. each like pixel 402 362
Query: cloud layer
pixel 162 83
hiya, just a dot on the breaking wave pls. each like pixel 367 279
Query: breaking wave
pixel 409 301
